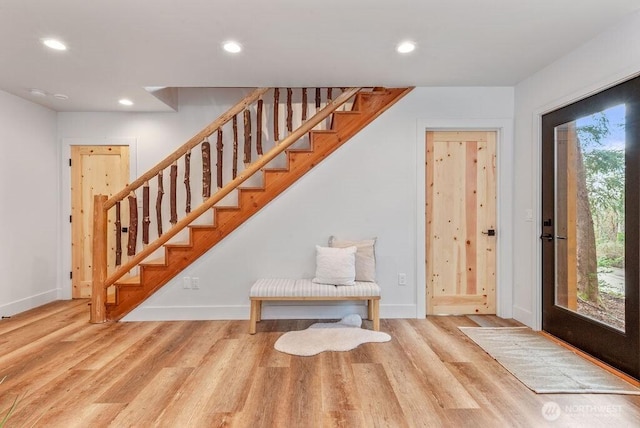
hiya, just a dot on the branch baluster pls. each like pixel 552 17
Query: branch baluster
pixel 187 181
pixel 173 188
pixel 247 137
pixel 304 104
pixel 146 221
pixel 235 147
pixel 276 102
pixel 159 203
pixel 219 149
pixel 289 111
pixel 259 128
pixel 133 224
pixel 118 225
pixel 206 169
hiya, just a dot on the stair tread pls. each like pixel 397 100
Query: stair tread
pixel 380 92
pixel 130 286
pixel 202 226
pixel 299 150
pixel 154 262
pixel 325 131
pixel 283 169
pixel 178 245
pixel 132 280
pixel 228 208
pixel 347 112
pixel 252 188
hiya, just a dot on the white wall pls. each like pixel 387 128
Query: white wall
pixel 603 61
pixel 29 197
pixel 366 189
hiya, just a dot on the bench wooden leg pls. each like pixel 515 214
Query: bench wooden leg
pixel 259 316
pixel 253 316
pixel 376 315
pixel 370 309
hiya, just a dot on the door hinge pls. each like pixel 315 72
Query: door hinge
pixel 71 275
pixel 69 161
pixel 70 219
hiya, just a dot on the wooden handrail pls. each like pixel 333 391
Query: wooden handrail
pixel 229 187
pixel 194 141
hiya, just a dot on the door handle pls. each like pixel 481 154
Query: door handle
pixel 561 237
pixel 547 236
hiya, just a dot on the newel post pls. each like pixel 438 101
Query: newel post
pixel 99 269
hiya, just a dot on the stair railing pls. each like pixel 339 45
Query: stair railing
pixel 102 279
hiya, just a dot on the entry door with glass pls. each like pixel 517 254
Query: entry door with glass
pixel 590 236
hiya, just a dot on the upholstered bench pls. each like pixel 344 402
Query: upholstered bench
pixel 305 289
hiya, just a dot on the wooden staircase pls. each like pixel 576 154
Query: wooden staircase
pixel 153 274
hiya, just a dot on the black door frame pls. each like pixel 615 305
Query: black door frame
pixel 616 348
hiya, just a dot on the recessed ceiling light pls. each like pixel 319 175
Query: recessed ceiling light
pixel 231 46
pixel 61 96
pixel 126 102
pixel 37 92
pixel 55 44
pixel 406 47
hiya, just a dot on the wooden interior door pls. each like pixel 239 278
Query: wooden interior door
pixel 461 222
pixel 94 170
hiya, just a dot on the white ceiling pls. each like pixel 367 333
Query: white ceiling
pixel 119 47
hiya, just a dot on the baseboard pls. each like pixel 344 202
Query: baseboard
pixel 398 311
pixel 188 313
pixel 12 308
pixel 525 316
pixel 270 310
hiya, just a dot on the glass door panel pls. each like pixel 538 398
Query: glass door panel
pixel 589 215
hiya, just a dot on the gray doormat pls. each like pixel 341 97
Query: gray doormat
pixel 544 366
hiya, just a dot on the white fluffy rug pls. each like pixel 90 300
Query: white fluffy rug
pixel 343 335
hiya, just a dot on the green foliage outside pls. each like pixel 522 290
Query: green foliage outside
pixel 605 172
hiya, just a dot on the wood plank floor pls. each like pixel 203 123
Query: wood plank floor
pixel 69 373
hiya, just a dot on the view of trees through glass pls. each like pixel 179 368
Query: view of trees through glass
pixel 591 255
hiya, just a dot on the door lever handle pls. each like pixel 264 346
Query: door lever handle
pixel 547 236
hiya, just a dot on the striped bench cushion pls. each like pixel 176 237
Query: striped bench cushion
pixel 307 288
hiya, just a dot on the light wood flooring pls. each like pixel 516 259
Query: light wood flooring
pixel 69 373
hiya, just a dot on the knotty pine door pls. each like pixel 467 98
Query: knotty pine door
pixel 461 222
pixel 94 170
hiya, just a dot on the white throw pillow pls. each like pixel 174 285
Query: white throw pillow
pixel 365 256
pixel 335 266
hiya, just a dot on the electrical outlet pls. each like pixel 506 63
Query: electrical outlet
pixel 186 282
pixel 402 279
pixel 195 283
